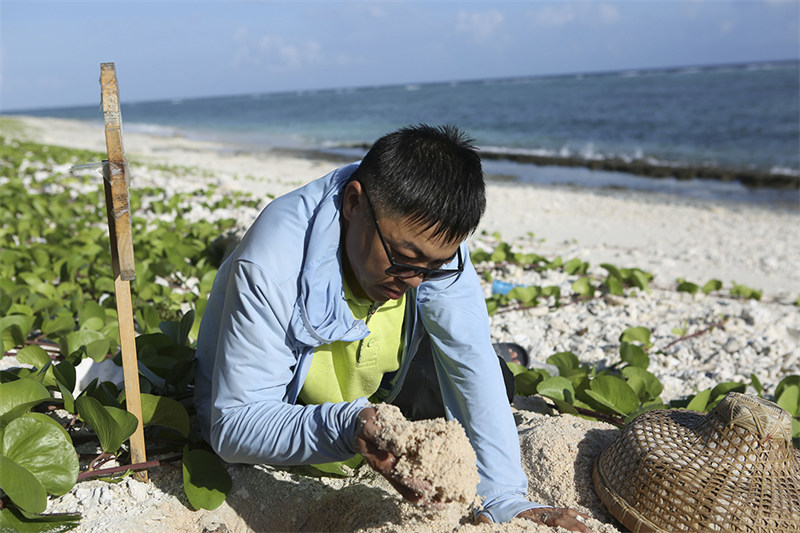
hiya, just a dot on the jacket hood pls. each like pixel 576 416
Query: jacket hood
pixel 321 314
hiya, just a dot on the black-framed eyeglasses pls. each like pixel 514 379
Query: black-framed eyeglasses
pixel 404 271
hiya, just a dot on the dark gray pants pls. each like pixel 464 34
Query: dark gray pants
pixel 421 398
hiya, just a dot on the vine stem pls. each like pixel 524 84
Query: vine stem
pixel 696 333
pixel 611 419
pixel 603 417
pixel 124 468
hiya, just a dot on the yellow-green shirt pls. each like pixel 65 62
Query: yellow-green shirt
pixel 344 371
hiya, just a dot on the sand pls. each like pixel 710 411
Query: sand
pixel 435 454
pixel 670 237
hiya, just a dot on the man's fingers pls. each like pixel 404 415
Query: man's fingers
pixel 483 519
pixel 413 490
pixel 563 517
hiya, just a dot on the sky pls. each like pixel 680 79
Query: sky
pixel 50 52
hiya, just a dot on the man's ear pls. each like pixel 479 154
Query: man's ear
pixel 351 199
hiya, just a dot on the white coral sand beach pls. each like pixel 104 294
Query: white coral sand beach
pixel 670 237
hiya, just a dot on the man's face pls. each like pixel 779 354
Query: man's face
pixel 366 258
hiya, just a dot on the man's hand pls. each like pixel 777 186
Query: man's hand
pixel 549 516
pixel 383 461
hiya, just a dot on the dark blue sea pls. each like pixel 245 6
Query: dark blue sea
pixel 721 132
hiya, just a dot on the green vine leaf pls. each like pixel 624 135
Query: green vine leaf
pixel 583 287
pixel 700 401
pixel 633 355
pixel 64 373
pixel 205 480
pixel 787 394
pixel 501 253
pixel 575 266
pixel 24 522
pixel 566 362
pixel 516 368
pixel 163 411
pixel 22 486
pixel 711 286
pixel 526 295
pixel 557 388
pixel 722 389
pixel 640 279
pixel 18 396
pixel 527 383
pixel 743 291
pixel 756 384
pixel 644 383
pixel 33 355
pixel 60 325
pixel 613 393
pixel 15 329
pixel 340 468
pixel 687 286
pixel 614 286
pixel 636 334
pixel 178 331
pixel 613 271
pixel 112 425
pixel 39 444
pixel 94 343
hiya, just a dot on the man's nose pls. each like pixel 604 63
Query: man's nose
pixel 413 281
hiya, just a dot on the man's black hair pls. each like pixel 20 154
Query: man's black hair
pixel 430 175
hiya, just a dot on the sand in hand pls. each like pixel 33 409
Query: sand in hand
pixel 434 454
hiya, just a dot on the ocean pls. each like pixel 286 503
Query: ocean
pixel 728 132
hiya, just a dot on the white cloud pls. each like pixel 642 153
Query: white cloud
pixel 551 15
pixel 274 52
pixel 558 15
pixel 481 25
pixel 608 13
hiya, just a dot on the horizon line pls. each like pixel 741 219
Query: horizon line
pixel 597 73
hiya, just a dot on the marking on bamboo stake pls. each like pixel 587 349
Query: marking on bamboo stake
pixel 120 235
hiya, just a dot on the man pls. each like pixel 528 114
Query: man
pixel 358 288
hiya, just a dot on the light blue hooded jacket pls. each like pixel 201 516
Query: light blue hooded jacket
pixel 280 295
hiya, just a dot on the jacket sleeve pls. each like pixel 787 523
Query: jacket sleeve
pixel 454 314
pixel 251 421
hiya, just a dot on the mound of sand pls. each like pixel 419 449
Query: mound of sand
pixel 435 454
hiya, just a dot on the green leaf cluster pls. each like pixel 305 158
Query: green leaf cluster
pixel 619 279
pixel 503 254
pixel 623 390
pixel 37 457
pixel 743 291
pixel 527 296
pixel 692 288
pixel 712 285
pixel 57 292
pixel 626 389
pixel 55 264
pixel 616 282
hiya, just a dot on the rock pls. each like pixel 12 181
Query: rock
pixel 137 490
pixel 734 345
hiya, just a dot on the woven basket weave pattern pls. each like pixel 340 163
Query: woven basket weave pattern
pixel 677 470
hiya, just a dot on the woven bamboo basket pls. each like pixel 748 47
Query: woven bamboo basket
pixel 733 469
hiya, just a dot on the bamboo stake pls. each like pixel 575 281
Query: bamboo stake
pixel 120 235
